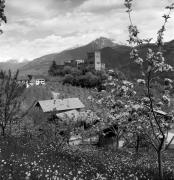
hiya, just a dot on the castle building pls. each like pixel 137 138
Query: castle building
pixel 94 59
pixel 74 63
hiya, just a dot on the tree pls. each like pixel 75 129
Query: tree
pixel 52 69
pixel 115 102
pixel 2 15
pixel 10 100
pixel 68 79
pixel 67 70
pixel 75 72
pixel 155 127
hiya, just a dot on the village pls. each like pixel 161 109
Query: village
pixel 73 110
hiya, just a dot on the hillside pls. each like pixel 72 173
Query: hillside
pixel 113 55
pixel 12 64
pixel 41 65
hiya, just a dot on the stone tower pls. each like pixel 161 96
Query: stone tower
pixel 98 64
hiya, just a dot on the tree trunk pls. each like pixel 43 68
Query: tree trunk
pixel 160 168
pixel 117 142
pixel 3 131
pixel 137 144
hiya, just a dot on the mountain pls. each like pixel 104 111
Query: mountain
pixel 41 65
pixel 12 64
pixel 113 55
pixel 102 42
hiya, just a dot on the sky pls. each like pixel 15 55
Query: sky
pixel 39 27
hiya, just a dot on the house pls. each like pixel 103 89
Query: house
pixel 40 81
pixel 60 105
pixel 36 80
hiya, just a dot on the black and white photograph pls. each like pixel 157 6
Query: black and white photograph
pixel 86 89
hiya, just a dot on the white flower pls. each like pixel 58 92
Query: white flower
pixel 79 172
pixel 141 81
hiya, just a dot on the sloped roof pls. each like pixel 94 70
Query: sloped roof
pixel 160 112
pixel 60 104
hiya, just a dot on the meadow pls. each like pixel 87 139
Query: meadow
pixel 22 160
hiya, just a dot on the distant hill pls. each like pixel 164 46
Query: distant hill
pixel 41 65
pixel 13 65
pixel 113 55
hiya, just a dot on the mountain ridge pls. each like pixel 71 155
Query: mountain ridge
pixel 12 64
pixel 42 64
pixel 113 55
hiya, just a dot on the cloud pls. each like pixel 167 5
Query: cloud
pixel 98 5
pixel 36 27
pixel 39 47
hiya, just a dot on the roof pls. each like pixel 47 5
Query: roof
pixel 60 104
pixel 160 112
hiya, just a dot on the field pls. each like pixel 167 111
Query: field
pixel 22 160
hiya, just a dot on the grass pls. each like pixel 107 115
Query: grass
pixel 37 93
pixel 23 160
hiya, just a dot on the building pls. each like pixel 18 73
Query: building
pixel 38 80
pixel 94 60
pixel 35 81
pixel 68 63
pixel 60 105
pixel 98 64
pixel 75 63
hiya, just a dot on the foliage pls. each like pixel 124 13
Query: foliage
pixel 53 68
pixel 2 15
pixel 154 127
pixel 10 100
pixel 115 102
pixel 84 77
